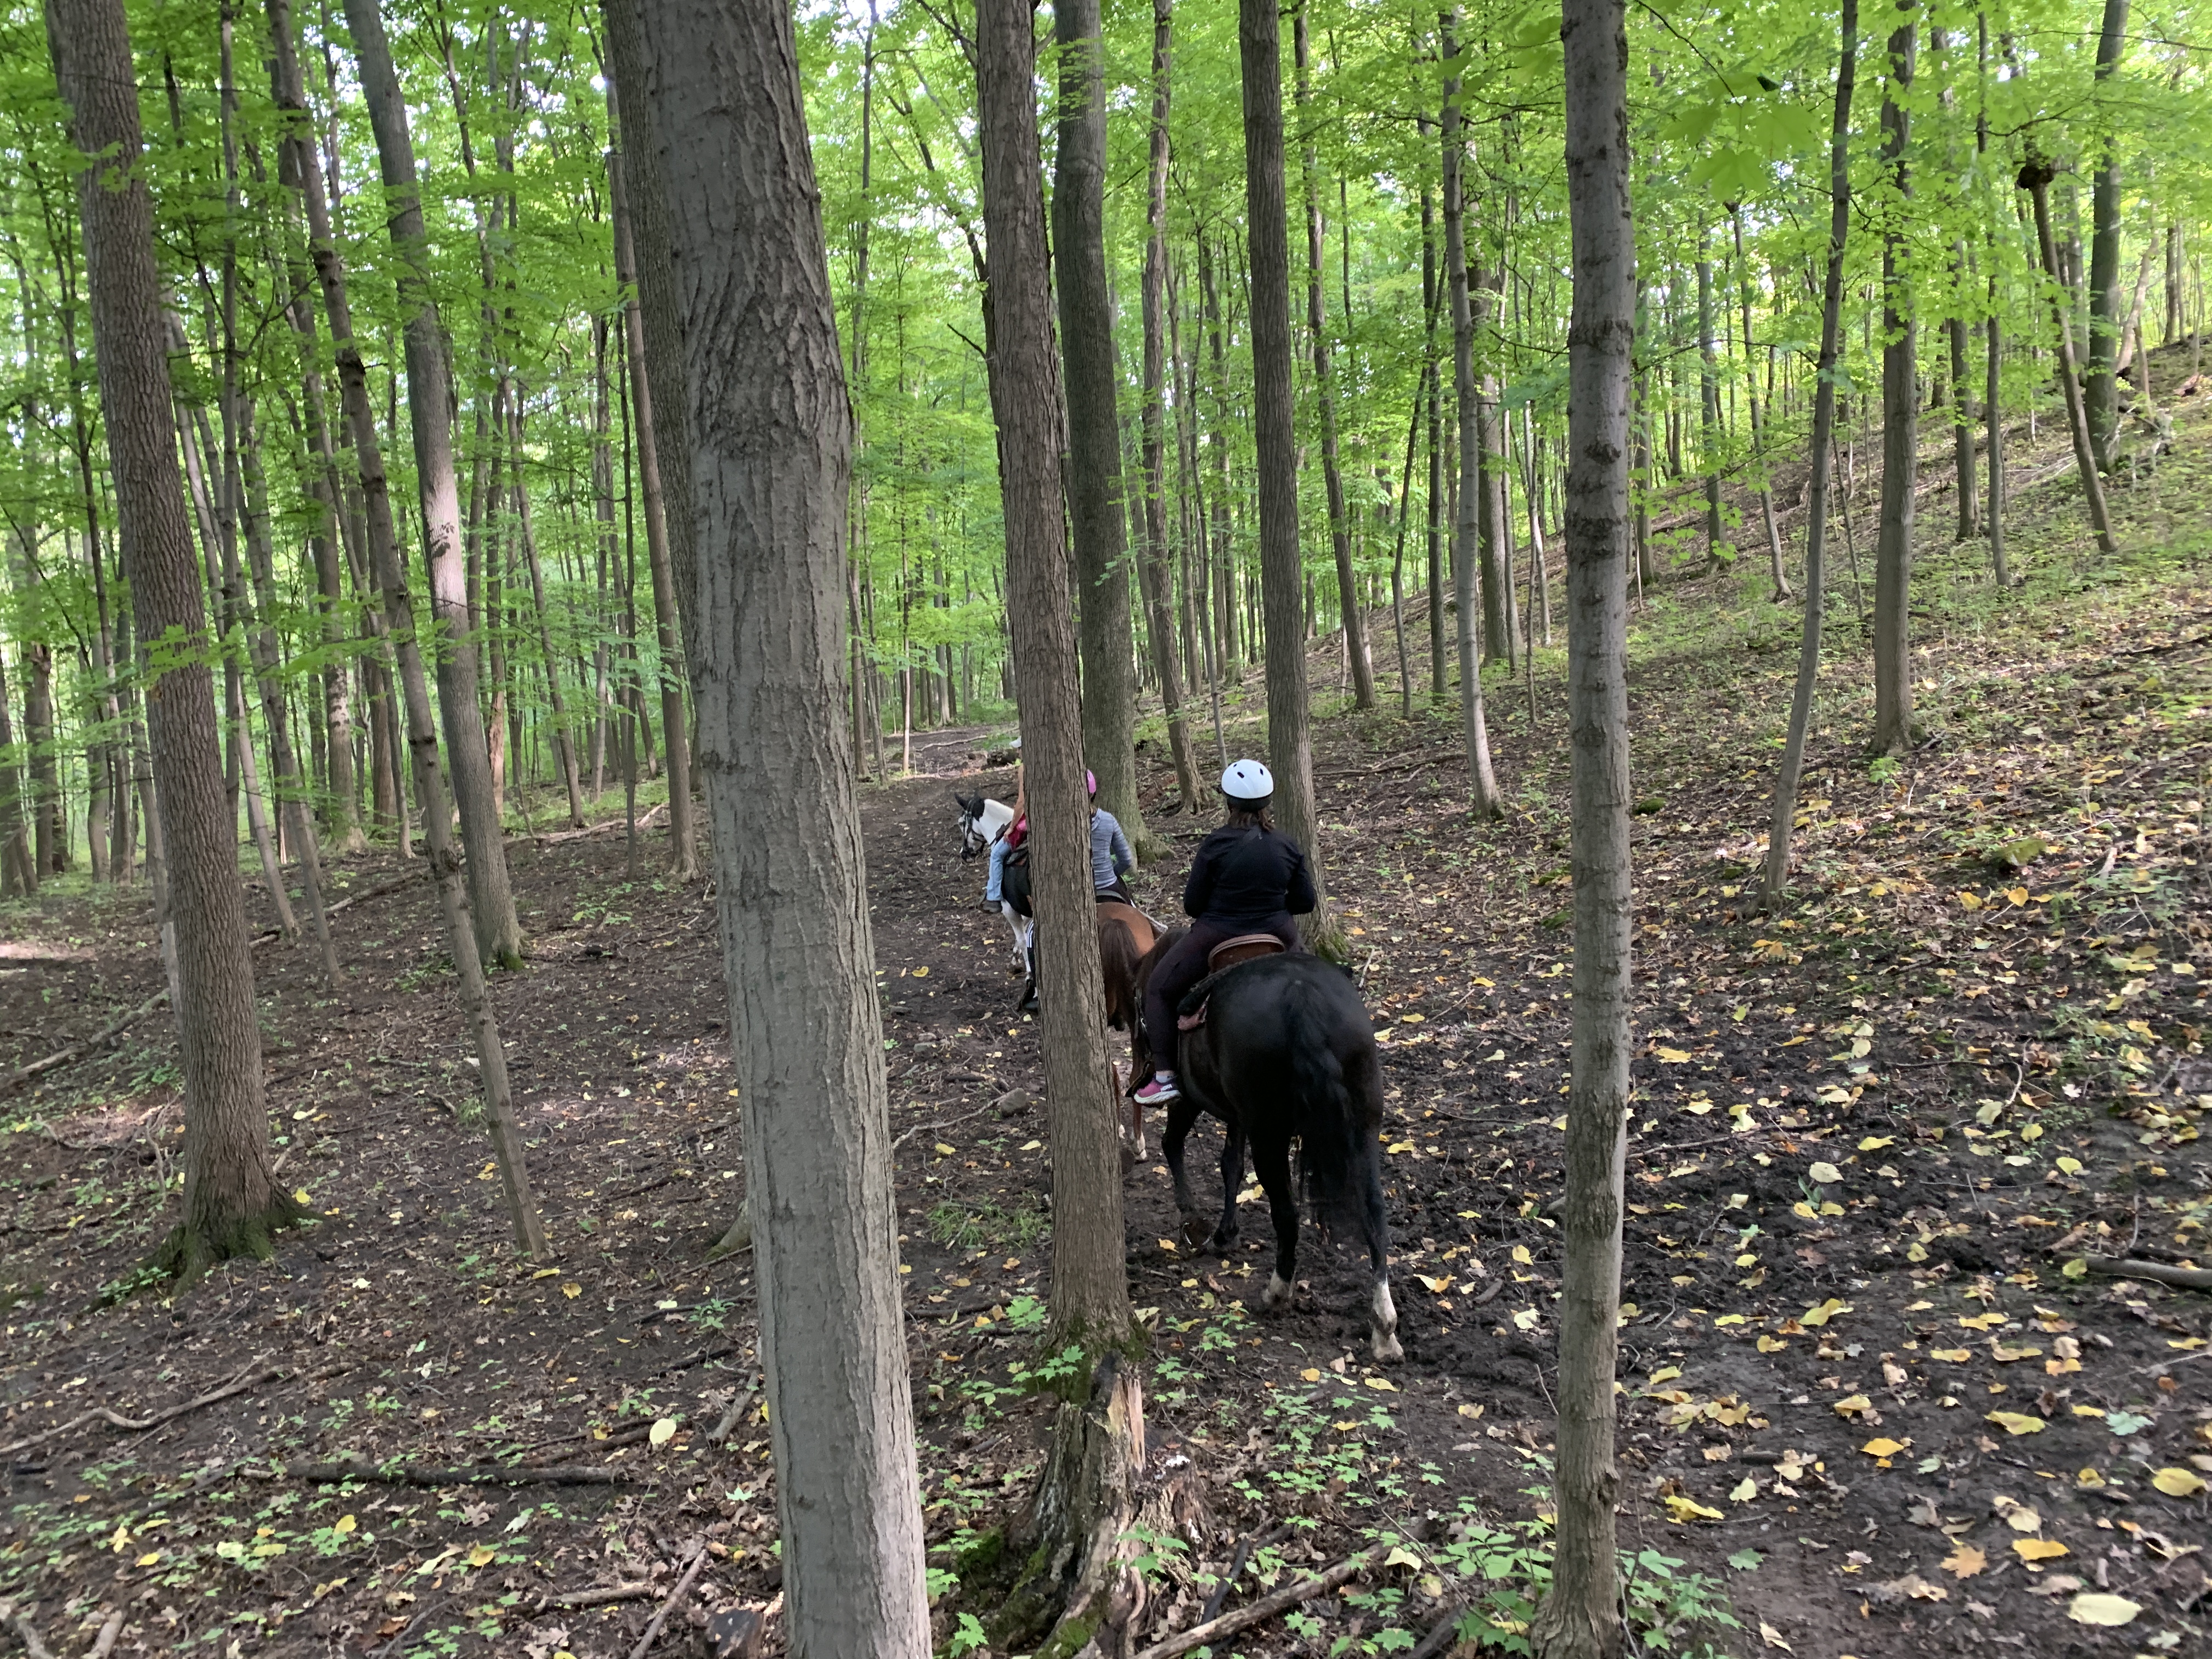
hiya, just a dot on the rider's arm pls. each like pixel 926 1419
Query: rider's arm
pixel 1198 891
pixel 1125 860
pixel 1303 898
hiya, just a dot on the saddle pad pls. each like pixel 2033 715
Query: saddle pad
pixel 1242 948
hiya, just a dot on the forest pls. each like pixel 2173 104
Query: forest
pixel 523 517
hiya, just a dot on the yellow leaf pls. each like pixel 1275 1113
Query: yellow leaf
pixel 663 1431
pixel 1398 1146
pixel 149 1558
pixel 1382 1382
pixel 1982 1322
pixel 344 1524
pixel 2095 1607
pixel 1470 1411
pixel 547 1272
pixel 1684 1509
pixel 1827 1312
pixel 482 1556
pixel 2020 1518
pixel 1884 1447
pixel 1827 1175
pixel 921 973
pixel 1953 1356
pixel 1965 1561
pixel 1672 1057
pixel 1771 1344
pixel 1409 1019
pixel 1665 1374
pixel 2016 895
pixel 1526 1318
pixel 1853 1404
pixel 1875 1143
pixel 2069 1165
pixel 300 1196
pixel 2039 1549
pixel 1438 1286
pixel 944 1150
pixel 2017 1422
pixel 2178 1483
pixel 1773 1637
pixel 1311 1373
pixel 1521 1254
pixel 572 1291
pixel 1744 1491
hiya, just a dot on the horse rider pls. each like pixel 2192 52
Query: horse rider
pixel 1249 878
pixel 1112 860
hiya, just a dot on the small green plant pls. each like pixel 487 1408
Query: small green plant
pixel 967 1636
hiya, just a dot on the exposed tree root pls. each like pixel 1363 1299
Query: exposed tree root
pixel 189 1251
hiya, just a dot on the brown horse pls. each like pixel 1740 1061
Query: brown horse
pixel 1126 937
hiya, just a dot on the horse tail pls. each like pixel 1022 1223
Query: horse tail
pixel 1117 962
pixel 1322 1105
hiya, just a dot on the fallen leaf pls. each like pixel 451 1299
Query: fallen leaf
pixel 1825 1312
pixel 1438 1286
pixel 1983 1322
pixel 1852 1404
pixel 1771 1345
pixel 1383 1382
pixel 1773 1637
pixel 1825 1173
pixel 2017 1422
pixel 1875 1143
pixel 1744 1491
pixel 1672 1057
pixel 1883 1447
pixel 1952 1356
pixel 572 1291
pixel 1521 1254
pixel 1965 1561
pixel 2178 1483
pixel 1684 1510
pixel 663 1431
pixel 344 1524
pixel 1311 1373
pixel 482 1556
pixel 2020 1518
pixel 2096 1608
pixel 1470 1411
pixel 2039 1549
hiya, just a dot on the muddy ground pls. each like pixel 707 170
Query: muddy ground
pixel 1875 1403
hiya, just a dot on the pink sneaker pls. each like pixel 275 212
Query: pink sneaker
pixel 1160 1091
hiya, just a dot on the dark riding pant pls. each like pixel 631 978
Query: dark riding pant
pixel 1119 890
pixel 1184 965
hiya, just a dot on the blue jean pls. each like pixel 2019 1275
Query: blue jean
pixel 991 888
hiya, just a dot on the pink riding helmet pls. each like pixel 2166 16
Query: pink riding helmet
pixel 1091 782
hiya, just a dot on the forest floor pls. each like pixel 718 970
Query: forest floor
pixel 1866 1379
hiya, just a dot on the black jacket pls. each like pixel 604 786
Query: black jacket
pixel 1247 876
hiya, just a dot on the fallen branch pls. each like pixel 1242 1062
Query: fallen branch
pixel 594 1598
pixel 32 1647
pixel 1685 1146
pixel 1257 1612
pixel 946 1123
pixel 63 1056
pixel 104 1644
pixel 1440 1635
pixel 556 839
pixel 2189 1278
pixel 377 891
pixel 675 1599
pixel 481 1474
pixel 137 1426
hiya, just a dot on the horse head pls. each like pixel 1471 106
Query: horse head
pixel 971 836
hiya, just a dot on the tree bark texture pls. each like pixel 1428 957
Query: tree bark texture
pixel 231 1201
pixel 2035 176
pixel 1776 572
pixel 1259 48
pixel 468 756
pixel 1092 442
pixel 1339 523
pixel 1777 879
pixel 682 838
pixel 1580 1618
pixel 2100 389
pixel 770 468
pixel 1894 729
pixel 1482 781
pixel 1090 1292
pixel 1158 579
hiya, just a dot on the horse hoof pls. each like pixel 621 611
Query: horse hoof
pixel 1195 1232
pixel 1221 1244
pixel 1387 1350
pixel 1276 1296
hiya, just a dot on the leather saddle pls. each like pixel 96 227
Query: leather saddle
pixel 1190 1014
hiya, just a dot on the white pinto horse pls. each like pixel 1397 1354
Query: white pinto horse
pixel 981 823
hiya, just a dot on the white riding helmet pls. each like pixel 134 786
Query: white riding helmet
pixel 1248 780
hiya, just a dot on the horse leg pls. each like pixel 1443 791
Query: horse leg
pixel 1233 1178
pixel 1137 1119
pixel 1382 1311
pixel 1272 1160
pixel 1181 1115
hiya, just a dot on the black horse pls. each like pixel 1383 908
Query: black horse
pixel 1286 1052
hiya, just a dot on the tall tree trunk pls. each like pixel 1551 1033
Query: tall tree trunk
pixel 2099 391
pixel 2035 176
pixel 1893 727
pixel 1708 402
pixel 1775 571
pixel 1432 382
pixel 1482 784
pixel 19 875
pixel 1777 881
pixel 1580 1618
pixel 1071 1528
pixel 770 471
pixel 1964 475
pixel 468 756
pixel 389 575
pixel 564 744
pixel 1222 550
pixel 231 1201
pixel 1259 47
pixel 1993 384
pixel 1339 523
pixel 682 838
pixel 1158 580
pixel 1093 439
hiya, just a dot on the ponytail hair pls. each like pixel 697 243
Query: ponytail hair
pixel 1250 815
